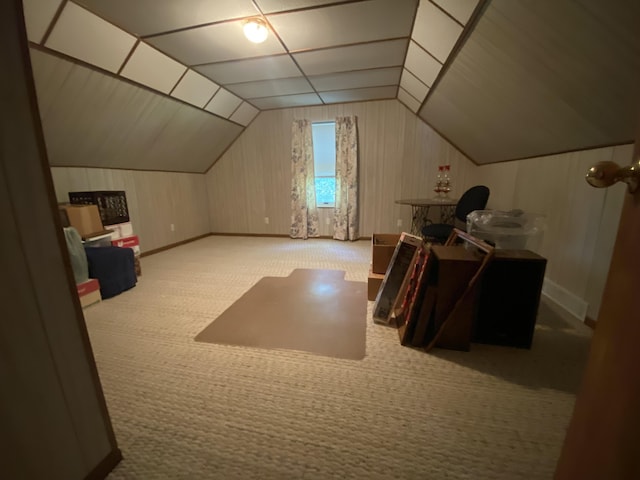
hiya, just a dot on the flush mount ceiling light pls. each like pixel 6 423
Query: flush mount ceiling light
pixel 255 29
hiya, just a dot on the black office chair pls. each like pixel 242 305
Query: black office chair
pixel 473 199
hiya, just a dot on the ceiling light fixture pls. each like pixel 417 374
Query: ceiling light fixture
pixel 255 29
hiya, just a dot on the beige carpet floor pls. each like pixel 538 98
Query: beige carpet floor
pixel 189 410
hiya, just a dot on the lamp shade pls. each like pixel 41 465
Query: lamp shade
pixel 256 30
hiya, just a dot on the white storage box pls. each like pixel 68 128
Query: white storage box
pixel 121 230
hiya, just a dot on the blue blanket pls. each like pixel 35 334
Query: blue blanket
pixel 113 267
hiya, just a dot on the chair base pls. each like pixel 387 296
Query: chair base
pixel 437 231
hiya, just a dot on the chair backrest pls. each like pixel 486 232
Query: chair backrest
pixel 473 199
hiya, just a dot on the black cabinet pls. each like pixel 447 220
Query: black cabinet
pixel 509 298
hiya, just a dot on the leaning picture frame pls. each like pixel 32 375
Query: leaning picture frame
pixel 396 277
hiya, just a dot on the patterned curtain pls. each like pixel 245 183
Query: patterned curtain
pixel 346 211
pixel 304 213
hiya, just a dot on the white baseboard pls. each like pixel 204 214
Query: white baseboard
pixel 562 297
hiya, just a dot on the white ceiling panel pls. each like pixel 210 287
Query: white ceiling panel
pixel 146 17
pixel 266 68
pixel 82 35
pixel 244 114
pixel 344 24
pixel 356 57
pixel 359 79
pixel 461 10
pixel 435 31
pixel 410 102
pixel 421 64
pixel 195 89
pixel 152 68
pixel 413 85
pixel 37 17
pixel 214 43
pixel 270 6
pixel 287 101
pixel 271 88
pixel 223 103
pixel 359 94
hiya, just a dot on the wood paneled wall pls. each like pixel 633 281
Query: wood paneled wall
pixel 582 221
pixel 156 200
pixel 399 157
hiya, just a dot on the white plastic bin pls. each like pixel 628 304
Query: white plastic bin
pixel 514 230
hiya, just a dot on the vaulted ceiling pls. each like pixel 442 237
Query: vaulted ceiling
pixel 169 85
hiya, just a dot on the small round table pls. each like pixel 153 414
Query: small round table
pixel 420 211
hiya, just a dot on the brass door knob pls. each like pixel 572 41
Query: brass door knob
pixel 605 174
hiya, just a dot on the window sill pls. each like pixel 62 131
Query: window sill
pixel 326 205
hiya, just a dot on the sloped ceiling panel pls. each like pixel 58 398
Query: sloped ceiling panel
pixel 541 77
pixel 214 43
pixel 254 69
pixel 344 24
pixel 146 17
pixel 270 6
pixel 91 119
pixel 353 57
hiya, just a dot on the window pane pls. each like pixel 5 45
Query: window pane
pixel 325 191
pixel 324 149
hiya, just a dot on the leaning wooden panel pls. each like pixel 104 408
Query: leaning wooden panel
pixel 424 317
pixel 451 325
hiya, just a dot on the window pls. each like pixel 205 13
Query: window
pixel 324 162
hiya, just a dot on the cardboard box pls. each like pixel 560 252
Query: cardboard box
pixel 121 230
pixel 112 204
pixel 89 292
pixel 382 247
pixel 85 219
pixel 132 242
pixel 373 285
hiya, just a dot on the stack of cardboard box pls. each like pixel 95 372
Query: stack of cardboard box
pixel 122 236
pixel 114 213
pixel 86 220
pixel 382 247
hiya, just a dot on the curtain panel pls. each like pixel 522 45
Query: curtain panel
pixel 304 212
pixel 346 207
